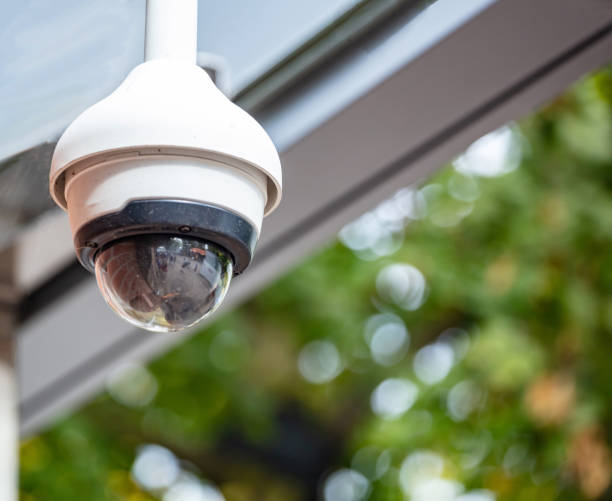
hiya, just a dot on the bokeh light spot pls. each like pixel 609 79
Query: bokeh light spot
pixel 463 399
pixel 346 485
pixel 393 397
pixel 389 343
pixel 403 285
pixel 433 362
pixel 132 385
pixel 319 362
pixel 495 154
pixel 155 468
pixel 192 490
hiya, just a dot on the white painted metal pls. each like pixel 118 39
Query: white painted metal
pixel 499 66
pixel 169 108
pixel 172 30
pixel 9 433
pixel 50 232
pixel 107 186
pixel 221 69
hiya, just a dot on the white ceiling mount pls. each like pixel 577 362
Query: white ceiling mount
pixel 166 154
pixel 168 101
pixel 171 105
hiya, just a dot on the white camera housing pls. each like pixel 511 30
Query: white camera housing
pixel 167 133
pixel 166 154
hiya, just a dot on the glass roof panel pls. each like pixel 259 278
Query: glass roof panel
pixel 59 57
pixel 253 36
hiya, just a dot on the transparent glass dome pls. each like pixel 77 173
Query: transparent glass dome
pixel 163 283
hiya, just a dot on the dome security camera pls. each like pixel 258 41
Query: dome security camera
pixel 166 182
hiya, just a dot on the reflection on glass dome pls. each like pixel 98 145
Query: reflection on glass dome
pixel 163 283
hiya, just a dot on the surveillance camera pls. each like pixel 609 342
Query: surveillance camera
pixel 166 183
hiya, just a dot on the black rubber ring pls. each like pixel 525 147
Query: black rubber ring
pixel 169 217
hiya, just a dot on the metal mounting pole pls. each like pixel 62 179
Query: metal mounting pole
pixel 9 419
pixel 9 422
pixel 171 30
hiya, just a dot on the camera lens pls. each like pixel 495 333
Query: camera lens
pixel 163 283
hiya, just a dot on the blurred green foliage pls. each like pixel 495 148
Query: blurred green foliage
pixel 518 285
